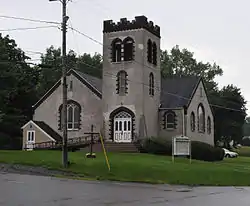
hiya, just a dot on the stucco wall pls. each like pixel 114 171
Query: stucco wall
pixel 193 107
pixel 48 111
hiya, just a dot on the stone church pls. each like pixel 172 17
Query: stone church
pixel 131 100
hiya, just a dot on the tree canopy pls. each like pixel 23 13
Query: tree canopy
pixel 17 88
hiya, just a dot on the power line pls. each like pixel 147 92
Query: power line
pixel 28 28
pixel 27 19
pixel 159 88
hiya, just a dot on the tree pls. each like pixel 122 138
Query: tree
pixel 17 88
pixel 91 65
pixel 52 72
pixel 182 63
pixel 230 117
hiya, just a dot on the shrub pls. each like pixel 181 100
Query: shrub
pixel 246 141
pixel 199 150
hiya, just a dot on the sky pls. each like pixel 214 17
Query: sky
pixel 216 31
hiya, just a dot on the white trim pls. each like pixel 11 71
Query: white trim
pixel 39 129
pixel 60 80
pixel 27 136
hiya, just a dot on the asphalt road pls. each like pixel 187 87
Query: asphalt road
pixel 27 190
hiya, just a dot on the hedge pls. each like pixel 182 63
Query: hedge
pixel 199 151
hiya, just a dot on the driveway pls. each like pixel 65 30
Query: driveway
pixel 30 190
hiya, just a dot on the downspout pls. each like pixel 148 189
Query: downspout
pixel 183 124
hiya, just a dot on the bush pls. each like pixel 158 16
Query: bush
pixel 246 141
pixel 199 150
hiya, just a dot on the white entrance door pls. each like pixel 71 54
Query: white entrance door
pixel 30 140
pixel 122 127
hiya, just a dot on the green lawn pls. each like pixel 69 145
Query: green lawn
pixel 243 151
pixel 141 167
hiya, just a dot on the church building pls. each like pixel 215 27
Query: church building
pixel 131 101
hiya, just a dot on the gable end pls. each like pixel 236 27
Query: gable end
pixel 58 83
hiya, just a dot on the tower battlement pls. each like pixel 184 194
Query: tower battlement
pixel 140 22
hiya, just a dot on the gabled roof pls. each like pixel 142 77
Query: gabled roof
pixel 93 83
pixel 46 129
pixel 178 91
pixel 49 130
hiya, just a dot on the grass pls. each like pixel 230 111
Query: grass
pixel 140 167
pixel 243 151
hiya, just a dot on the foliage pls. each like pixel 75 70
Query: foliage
pixel 182 63
pixel 86 63
pixel 17 87
pixel 246 141
pixel 229 120
pixel 200 150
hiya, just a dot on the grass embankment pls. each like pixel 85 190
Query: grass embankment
pixel 140 167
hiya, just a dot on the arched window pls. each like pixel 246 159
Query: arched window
pixel 128 44
pixel 209 125
pixel 170 120
pixel 73 115
pixel 149 51
pixel 116 50
pixel 122 84
pixel 151 84
pixel 192 121
pixel 154 54
pixel 201 118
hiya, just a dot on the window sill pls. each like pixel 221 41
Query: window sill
pixel 202 132
pixel 73 130
pixel 123 62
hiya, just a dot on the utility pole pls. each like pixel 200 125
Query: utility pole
pixel 64 84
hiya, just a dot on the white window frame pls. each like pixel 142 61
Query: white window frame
pixel 73 118
pixel 34 135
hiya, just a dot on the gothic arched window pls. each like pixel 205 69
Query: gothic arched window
pixel 154 54
pixel 209 127
pixel 151 84
pixel 170 120
pixel 116 50
pixel 128 44
pixel 149 44
pixel 192 121
pixel 73 116
pixel 122 78
pixel 201 118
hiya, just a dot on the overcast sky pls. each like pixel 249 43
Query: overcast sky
pixel 215 30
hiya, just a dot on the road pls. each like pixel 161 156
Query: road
pixel 30 190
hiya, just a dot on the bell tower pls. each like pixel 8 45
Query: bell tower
pixel 131 79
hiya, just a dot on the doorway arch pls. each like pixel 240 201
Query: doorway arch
pixel 122 125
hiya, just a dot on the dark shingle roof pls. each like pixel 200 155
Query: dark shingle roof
pixel 49 130
pixel 176 92
pixel 94 81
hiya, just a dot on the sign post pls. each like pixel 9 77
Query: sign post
pixel 181 146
